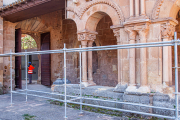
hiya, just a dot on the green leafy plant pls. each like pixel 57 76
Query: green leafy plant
pixel 27 42
pixel 28 117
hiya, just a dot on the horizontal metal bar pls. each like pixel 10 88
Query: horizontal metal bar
pixel 123 110
pixel 51 93
pixel 38 96
pixel 75 98
pixel 80 49
pixel 141 105
pixel 100 49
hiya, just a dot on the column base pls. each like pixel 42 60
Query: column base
pixel 85 84
pixel 91 83
pixel 120 88
pixel 131 88
pixel 143 89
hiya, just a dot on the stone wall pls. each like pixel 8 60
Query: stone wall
pixel 105 61
pixel 9 44
pixel 70 39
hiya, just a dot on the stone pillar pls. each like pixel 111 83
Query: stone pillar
pixel 144 88
pixel 143 7
pixel 132 78
pixel 170 64
pixel 137 8
pixel 86 36
pixel 90 69
pixel 84 64
pixel 167 31
pixel 131 8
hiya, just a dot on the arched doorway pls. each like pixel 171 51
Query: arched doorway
pixel 29 44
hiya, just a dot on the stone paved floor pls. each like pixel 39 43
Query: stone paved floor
pixel 41 108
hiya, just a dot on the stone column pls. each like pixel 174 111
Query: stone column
pixel 84 64
pixel 143 9
pixel 86 36
pixel 144 88
pixel 137 8
pixel 132 78
pixel 131 8
pixel 170 64
pixel 167 31
pixel 119 51
pixel 90 69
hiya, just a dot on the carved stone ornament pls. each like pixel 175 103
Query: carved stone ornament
pixel 131 32
pixel 167 30
pixel 116 32
pixel 86 36
pixel 142 30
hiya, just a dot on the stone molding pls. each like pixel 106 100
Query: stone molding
pixel 156 9
pixel 86 35
pixel 81 12
pixel 167 30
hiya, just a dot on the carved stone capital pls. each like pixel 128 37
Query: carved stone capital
pixel 131 32
pixel 142 30
pixel 86 35
pixel 116 32
pixel 167 30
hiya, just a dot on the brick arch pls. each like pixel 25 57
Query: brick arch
pixel 171 9
pixel 103 2
pixel 79 13
pixel 94 14
pixel 156 9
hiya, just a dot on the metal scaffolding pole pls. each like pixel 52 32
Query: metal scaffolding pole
pixel 176 76
pixel 80 67
pixel 174 43
pixel 11 74
pixel 65 99
pixel 26 73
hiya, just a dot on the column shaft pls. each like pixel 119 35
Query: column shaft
pixel 143 6
pixel 119 64
pixel 137 7
pixel 131 8
pixel 165 64
pixel 84 62
pixel 90 69
pixel 143 65
pixel 170 65
pixel 132 65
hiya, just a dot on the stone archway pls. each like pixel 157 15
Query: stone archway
pixel 94 11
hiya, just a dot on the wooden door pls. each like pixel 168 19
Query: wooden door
pixel 18 81
pixel 45 60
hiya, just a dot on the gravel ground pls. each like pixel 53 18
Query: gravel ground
pixel 42 109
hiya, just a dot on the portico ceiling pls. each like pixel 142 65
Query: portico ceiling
pixel 26 9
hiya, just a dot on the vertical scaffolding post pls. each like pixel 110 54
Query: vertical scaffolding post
pixel 11 73
pixel 65 99
pixel 176 75
pixel 26 73
pixel 80 76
